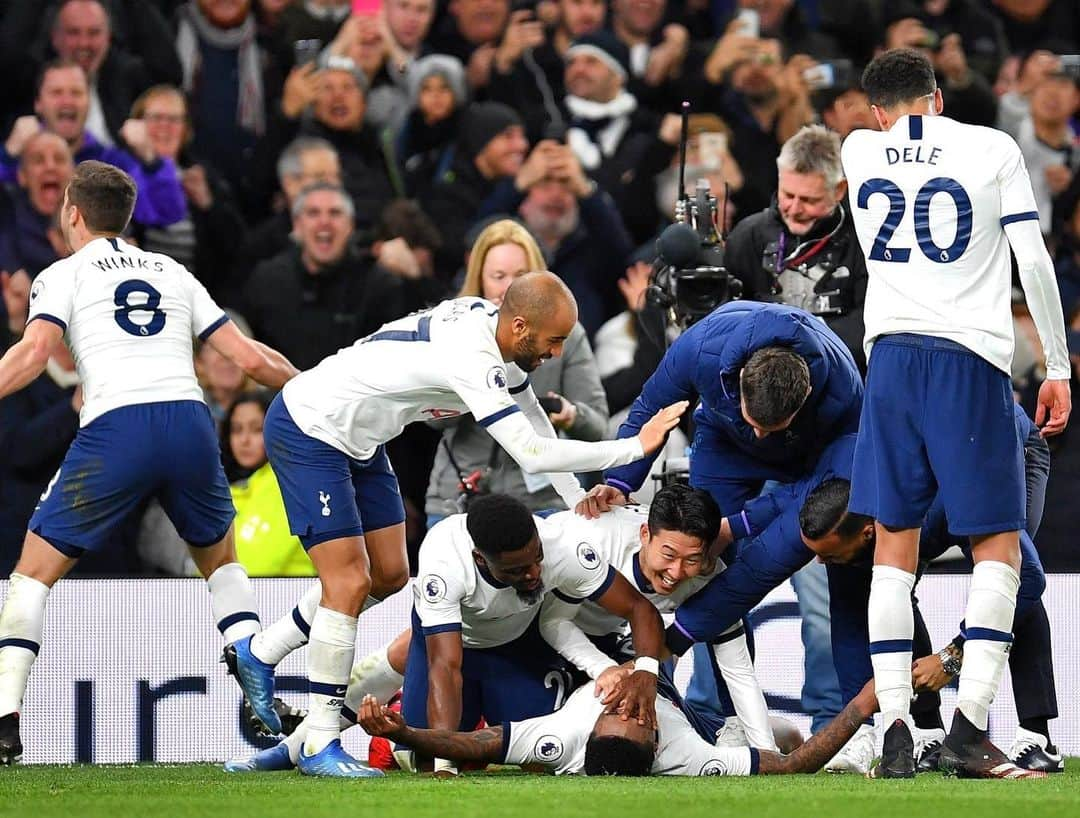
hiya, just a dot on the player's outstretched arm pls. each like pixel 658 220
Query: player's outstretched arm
pixel 26 359
pixel 266 365
pixel 823 745
pixel 479 746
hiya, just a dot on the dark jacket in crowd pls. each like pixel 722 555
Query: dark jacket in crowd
pixel 454 205
pixel 308 317
pixel 827 278
pixel 161 198
pixel 37 424
pixel 629 174
pixel 141 54
pixel 591 260
pixel 24 234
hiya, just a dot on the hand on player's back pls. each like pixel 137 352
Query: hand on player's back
pixel 635 698
pixel 598 500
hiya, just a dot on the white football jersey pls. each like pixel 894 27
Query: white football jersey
pixel 557 741
pixel 616 536
pixel 129 317
pixel 438 364
pixel 930 199
pixel 451 593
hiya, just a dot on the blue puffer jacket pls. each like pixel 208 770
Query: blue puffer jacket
pixel 705 363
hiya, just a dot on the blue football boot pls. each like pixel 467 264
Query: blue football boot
pixel 271 760
pixel 256 679
pixel 333 762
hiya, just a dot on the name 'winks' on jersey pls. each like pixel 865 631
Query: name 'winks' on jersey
pixel 129 316
pixel 930 198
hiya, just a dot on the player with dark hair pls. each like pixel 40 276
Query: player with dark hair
pixel 477 649
pixel 326 435
pixel 845 540
pixel 775 388
pixel 129 317
pixel 584 736
pixel 937 206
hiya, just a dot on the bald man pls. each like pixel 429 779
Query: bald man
pixel 325 436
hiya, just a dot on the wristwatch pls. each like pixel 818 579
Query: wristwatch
pixel 950 662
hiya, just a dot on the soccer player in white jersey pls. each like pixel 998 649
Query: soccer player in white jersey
pixel 129 317
pixel 587 737
pixel 937 205
pixel 325 437
pixel 662 549
pixel 477 648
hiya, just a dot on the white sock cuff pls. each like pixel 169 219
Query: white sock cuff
pixel 23 615
pixel 887 573
pixel 232 598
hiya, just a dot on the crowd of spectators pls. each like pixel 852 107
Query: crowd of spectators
pixel 323 171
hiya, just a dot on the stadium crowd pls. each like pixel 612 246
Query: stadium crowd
pixel 324 170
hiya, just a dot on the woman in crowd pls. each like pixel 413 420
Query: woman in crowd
pixel 264 545
pixel 503 251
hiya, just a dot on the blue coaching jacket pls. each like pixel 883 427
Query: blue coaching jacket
pixel 705 361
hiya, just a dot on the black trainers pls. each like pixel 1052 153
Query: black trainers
pixel 928 759
pixel 290 718
pixel 10 743
pixel 982 759
pixel 1033 751
pixel 897 753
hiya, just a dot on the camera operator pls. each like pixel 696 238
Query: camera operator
pixel 802 250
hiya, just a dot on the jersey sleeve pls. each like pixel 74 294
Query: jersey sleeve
pixel 1014 188
pixel 52 296
pixel 698 757
pixel 554 740
pixel 439 589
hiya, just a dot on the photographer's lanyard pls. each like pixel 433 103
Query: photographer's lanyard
pixel 800 255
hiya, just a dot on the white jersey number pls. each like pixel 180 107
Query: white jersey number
pixel 898 204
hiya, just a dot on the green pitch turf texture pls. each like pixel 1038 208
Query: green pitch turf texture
pixel 206 792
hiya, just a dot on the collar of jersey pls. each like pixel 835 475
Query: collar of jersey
pixel 489 579
pixel 639 576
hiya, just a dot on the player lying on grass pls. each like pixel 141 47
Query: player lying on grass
pixel 586 737
pixel 477 648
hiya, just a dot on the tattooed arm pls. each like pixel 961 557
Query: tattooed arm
pixel 480 745
pixel 812 756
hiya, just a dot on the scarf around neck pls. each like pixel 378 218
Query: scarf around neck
pixel 597 128
pixel 192 29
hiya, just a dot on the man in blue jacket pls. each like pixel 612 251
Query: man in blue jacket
pixel 775 386
pixel 777 390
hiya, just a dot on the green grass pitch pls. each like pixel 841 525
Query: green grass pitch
pixel 206 792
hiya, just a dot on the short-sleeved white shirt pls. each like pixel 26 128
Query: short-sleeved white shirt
pixel 558 741
pixel 435 364
pixel 450 592
pixel 616 536
pixel 930 198
pixel 129 317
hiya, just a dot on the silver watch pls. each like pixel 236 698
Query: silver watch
pixel 950 662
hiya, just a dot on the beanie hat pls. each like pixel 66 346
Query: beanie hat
pixel 606 47
pixel 443 65
pixel 483 121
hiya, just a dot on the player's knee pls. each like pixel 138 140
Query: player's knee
pixel 388 580
pixel 347 587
